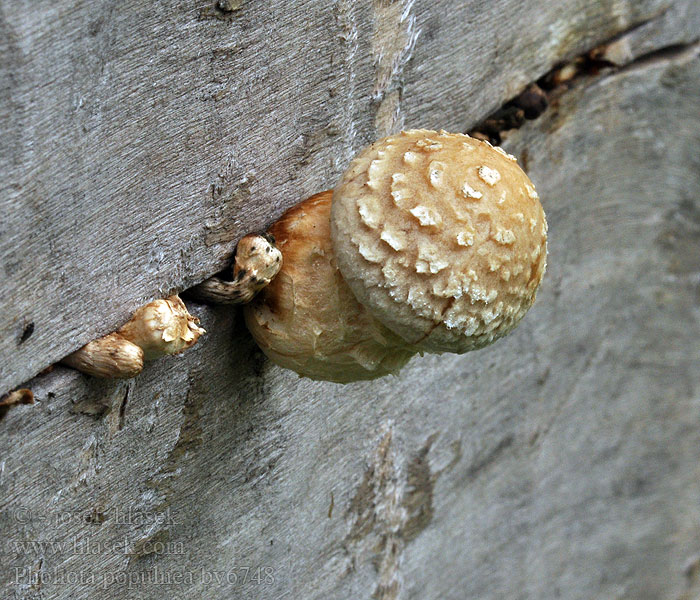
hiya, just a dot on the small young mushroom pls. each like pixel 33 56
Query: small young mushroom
pixel 431 241
pixel 257 261
pixel 165 327
pixel 157 329
pixel 162 327
pixel 22 396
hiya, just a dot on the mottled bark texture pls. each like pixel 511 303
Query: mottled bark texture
pixel 139 141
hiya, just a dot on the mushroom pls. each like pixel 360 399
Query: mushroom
pixel 308 319
pixel 157 329
pixel 22 396
pixel 165 327
pixel 162 327
pixel 431 242
pixel 257 261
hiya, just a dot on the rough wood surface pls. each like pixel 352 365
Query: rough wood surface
pixel 138 143
pixel 560 463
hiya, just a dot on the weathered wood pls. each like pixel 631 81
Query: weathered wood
pixel 561 462
pixel 139 143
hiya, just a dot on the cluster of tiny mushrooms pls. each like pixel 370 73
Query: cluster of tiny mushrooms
pixel 431 242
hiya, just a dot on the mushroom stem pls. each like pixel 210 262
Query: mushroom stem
pixel 257 261
pixel 219 291
pixel 111 356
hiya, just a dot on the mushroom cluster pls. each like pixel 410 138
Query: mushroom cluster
pixel 165 327
pixel 159 328
pixel 430 242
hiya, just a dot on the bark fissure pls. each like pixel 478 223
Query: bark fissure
pixel 604 60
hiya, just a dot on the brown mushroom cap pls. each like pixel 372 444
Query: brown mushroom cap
pixel 307 319
pixel 441 236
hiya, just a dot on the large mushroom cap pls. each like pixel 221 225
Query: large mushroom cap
pixel 441 236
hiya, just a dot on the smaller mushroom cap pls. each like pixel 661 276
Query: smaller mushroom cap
pixel 307 319
pixel 441 236
pixel 162 327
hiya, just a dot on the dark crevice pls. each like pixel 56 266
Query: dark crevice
pixel 611 57
pixel 27 332
pixel 664 54
pixel 483 460
pixel 122 408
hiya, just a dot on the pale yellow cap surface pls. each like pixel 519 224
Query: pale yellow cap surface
pixel 441 236
pixel 162 327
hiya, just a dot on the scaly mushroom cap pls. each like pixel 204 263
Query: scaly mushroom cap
pixel 442 236
pixel 307 319
pixel 162 327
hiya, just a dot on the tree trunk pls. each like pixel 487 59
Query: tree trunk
pixel 141 140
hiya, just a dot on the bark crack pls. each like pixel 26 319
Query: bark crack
pixel 610 58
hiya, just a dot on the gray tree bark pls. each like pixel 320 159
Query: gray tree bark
pixel 140 141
